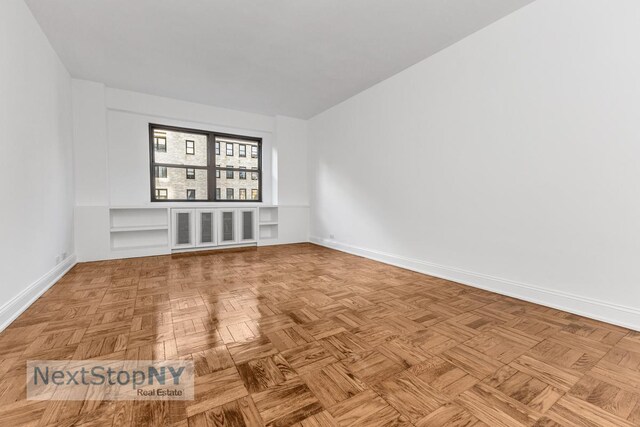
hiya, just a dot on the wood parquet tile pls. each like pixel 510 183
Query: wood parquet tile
pixel 306 336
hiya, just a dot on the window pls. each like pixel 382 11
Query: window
pixel 191 147
pixel 160 142
pixel 198 165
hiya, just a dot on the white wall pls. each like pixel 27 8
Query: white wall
pixel 111 132
pixel 508 161
pixel 128 118
pixel 36 167
pixel 112 156
pixel 292 176
pixel 90 143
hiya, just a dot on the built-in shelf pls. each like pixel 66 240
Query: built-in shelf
pixel 268 232
pixel 140 239
pixel 139 228
pixel 268 223
pixel 268 214
pixel 139 217
pixel 140 248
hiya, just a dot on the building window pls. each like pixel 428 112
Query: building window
pixel 191 147
pixel 194 174
pixel 160 142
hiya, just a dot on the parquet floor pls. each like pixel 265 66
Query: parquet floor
pixel 303 334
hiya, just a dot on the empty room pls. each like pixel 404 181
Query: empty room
pixel 320 213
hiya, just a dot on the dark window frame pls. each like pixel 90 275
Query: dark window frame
pixel 194 194
pixel 157 171
pixel 233 193
pixel 166 193
pixel 229 171
pixel 242 150
pixel 242 191
pixel 243 173
pixel 191 175
pixel 226 148
pixel 211 167
pixel 193 147
pixel 157 145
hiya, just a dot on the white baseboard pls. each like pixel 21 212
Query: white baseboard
pixel 14 307
pixel 599 310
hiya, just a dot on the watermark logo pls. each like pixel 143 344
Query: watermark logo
pixel 110 380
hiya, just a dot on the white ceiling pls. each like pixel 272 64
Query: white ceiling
pixel 289 57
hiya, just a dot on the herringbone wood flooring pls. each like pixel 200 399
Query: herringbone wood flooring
pixel 303 334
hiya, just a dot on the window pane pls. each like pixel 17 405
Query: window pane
pixel 161 193
pixel 235 153
pixel 179 149
pixel 160 141
pixel 176 183
pixel 237 189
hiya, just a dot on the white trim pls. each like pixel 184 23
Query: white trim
pixel 213 248
pixel 595 309
pixel 15 306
